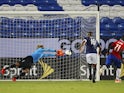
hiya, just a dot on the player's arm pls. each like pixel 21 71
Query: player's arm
pixel 99 48
pixel 110 48
pixel 49 55
pixel 82 45
pixel 49 50
pixel 46 55
pixel 57 52
pixel 99 51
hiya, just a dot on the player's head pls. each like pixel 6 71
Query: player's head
pixel 40 46
pixel 90 33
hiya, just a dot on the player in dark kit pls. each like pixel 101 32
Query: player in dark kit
pixel 91 53
pixel 114 55
pixel 27 62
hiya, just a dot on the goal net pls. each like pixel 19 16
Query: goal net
pixel 21 32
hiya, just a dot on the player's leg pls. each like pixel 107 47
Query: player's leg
pixel 94 63
pixel 22 73
pixel 17 64
pixel 89 61
pixel 122 70
pixel 90 71
pixel 107 63
pixel 25 64
pixel 118 70
pixel 94 72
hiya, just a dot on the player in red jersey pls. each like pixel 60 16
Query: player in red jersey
pixel 114 55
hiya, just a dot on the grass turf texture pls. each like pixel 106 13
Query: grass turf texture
pixel 61 87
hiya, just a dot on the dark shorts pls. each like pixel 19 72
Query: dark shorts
pixel 26 62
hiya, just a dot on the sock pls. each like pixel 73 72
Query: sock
pixel 94 71
pixel 118 73
pixel 90 69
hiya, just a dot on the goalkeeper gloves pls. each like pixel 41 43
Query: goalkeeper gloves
pixel 59 53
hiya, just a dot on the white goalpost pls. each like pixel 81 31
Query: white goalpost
pixel 22 31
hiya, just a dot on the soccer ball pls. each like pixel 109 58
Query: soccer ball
pixel 68 52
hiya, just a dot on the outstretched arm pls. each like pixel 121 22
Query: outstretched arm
pixel 82 45
pixel 49 50
pixel 99 48
pixel 99 51
pixel 49 55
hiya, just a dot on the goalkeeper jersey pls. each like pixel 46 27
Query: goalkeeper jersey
pixel 40 53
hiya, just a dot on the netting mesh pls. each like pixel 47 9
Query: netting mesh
pixel 19 36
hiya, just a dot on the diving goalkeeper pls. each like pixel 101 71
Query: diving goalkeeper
pixel 27 62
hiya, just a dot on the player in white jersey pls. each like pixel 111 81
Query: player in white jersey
pixel 91 53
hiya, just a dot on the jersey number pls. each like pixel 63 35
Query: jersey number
pixel 117 47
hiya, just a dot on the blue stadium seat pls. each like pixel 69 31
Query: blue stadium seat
pixel 44 2
pixel 120 2
pixel 121 27
pixel 105 20
pixel 102 27
pixel 103 2
pixel 97 2
pixel 87 2
pixel 12 2
pixel 3 2
pixel 49 8
pixel 117 20
pixel 109 2
pixel 22 2
pixel 25 2
pixel 105 33
pixel 112 27
pixel 109 27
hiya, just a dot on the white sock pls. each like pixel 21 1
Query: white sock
pixel 118 73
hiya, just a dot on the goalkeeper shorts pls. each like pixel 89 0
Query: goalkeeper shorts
pixel 26 63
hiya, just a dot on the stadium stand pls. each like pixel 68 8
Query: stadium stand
pixel 103 2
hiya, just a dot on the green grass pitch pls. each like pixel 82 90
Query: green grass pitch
pixel 61 87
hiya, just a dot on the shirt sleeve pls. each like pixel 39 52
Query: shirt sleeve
pixel 48 55
pixel 42 55
pixel 49 50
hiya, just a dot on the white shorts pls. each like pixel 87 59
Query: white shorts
pixel 91 58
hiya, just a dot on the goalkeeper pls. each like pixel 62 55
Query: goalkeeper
pixel 27 62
